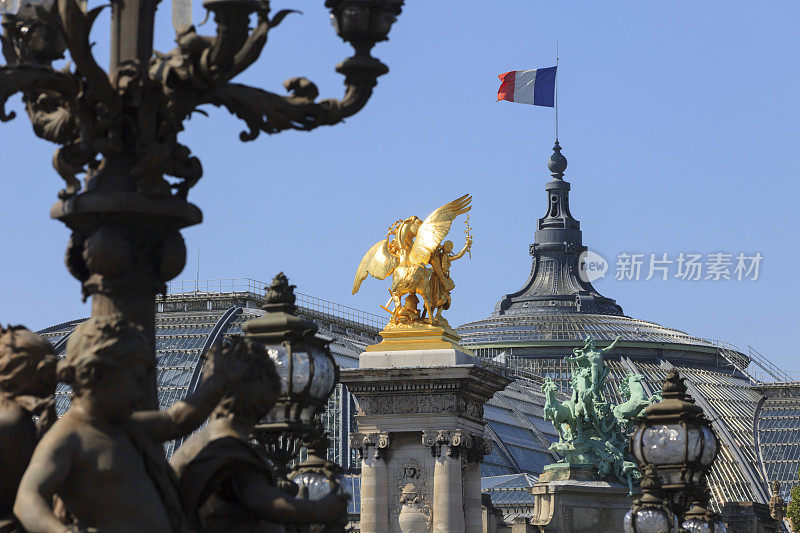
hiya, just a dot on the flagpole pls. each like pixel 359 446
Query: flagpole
pixel 556 91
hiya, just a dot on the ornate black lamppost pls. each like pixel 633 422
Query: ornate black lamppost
pixel 675 447
pixel 120 128
pixel 308 376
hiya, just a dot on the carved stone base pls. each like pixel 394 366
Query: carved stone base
pixel 413 390
pixel 564 471
pixel 417 337
pixel 749 517
pixel 420 423
pixel 568 500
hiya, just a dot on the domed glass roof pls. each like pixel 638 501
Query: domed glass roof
pixel 546 327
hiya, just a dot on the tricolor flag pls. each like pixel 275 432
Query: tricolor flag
pixel 535 87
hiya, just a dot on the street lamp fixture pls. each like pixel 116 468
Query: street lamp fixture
pixel 651 513
pixel 700 520
pixel 675 447
pixel 307 371
pixel 317 476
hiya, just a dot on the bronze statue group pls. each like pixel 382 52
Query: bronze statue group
pixel 591 432
pixel 101 466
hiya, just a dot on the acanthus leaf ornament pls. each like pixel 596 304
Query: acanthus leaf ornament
pixel 34 80
pixel 380 442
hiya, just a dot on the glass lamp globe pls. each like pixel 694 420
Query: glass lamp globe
pixel 695 525
pixel 305 365
pixel 324 376
pixel 316 485
pixel 661 444
pixel 316 477
pixel 676 437
pixel 700 520
pixel 646 520
pixel 280 357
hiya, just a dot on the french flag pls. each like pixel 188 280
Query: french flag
pixel 535 87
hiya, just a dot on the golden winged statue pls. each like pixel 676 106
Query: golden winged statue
pixel 419 263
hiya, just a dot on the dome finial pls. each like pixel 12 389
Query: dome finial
pixel 557 163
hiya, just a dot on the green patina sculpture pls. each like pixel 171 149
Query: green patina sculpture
pixel 637 400
pixel 590 431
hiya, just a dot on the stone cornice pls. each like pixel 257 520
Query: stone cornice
pixel 474 380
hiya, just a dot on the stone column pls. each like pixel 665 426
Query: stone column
pixel 373 448
pixel 473 516
pixel 448 491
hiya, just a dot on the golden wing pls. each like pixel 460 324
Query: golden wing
pixel 378 262
pixel 435 227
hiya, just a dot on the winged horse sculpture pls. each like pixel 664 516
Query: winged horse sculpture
pixel 419 263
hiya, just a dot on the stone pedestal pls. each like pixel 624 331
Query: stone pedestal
pixel 420 436
pixel 749 517
pixel 571 499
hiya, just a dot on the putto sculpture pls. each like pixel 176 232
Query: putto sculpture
pixel 591 432
pixel 223 483
pixel 418 260
pixel 104 459
pixel 27 384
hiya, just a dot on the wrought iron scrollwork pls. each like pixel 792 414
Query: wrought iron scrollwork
pixel 136 112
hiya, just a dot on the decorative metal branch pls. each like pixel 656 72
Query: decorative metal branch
pixel 136 111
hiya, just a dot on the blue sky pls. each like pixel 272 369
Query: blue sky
pixel 679 120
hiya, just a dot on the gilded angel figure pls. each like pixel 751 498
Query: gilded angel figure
pixel 413 253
